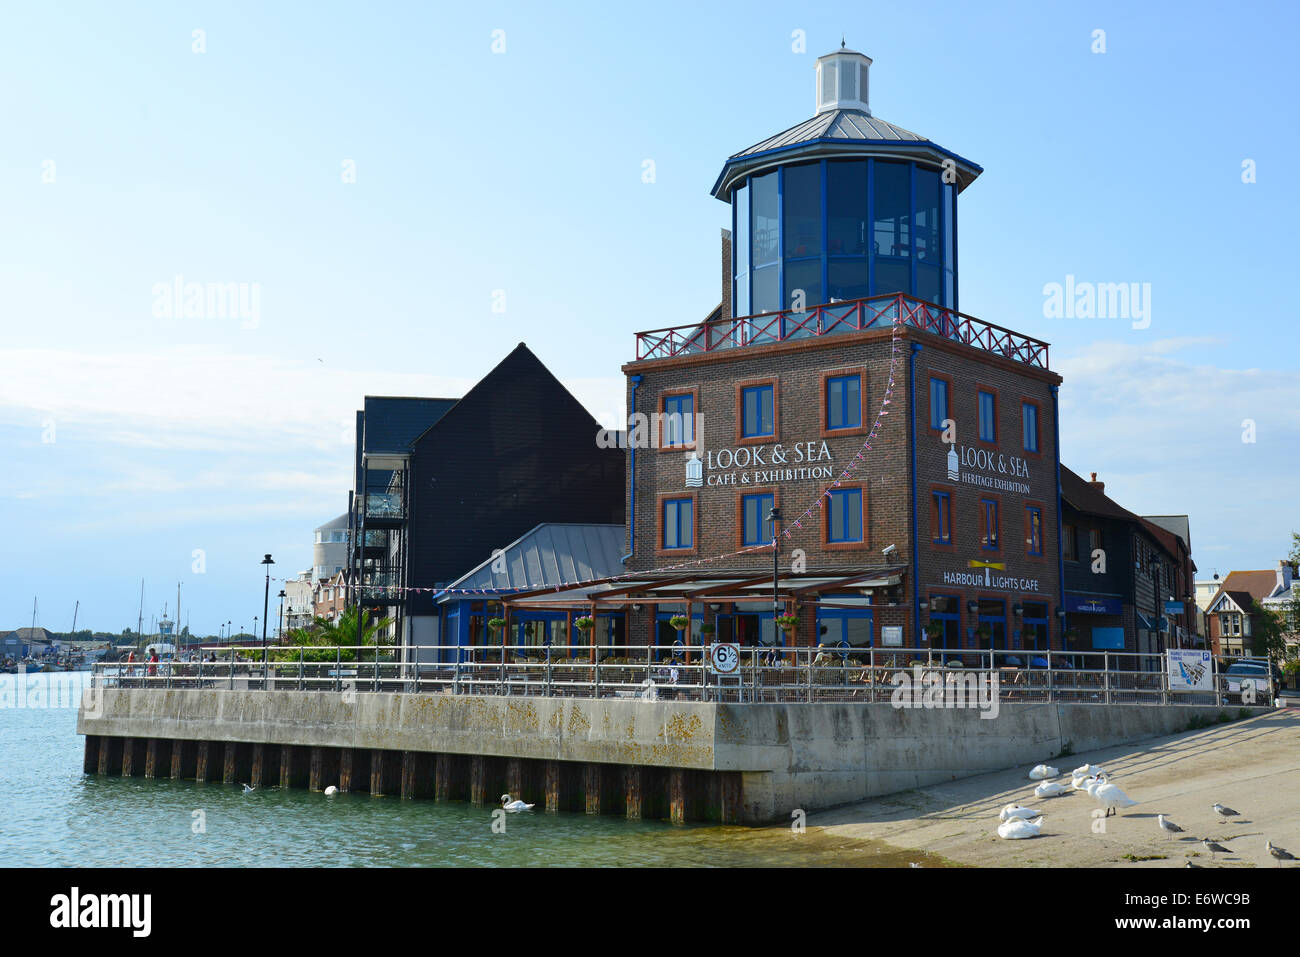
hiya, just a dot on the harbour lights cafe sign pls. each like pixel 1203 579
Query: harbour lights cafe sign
pixel 760 465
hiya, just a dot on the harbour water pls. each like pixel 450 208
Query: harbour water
pixel 56 816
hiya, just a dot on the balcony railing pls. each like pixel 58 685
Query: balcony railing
pixel 852 315
pixel 384 505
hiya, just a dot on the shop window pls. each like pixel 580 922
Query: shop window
pixel 1029 421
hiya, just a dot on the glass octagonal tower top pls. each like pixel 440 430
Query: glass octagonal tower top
pixel 843 205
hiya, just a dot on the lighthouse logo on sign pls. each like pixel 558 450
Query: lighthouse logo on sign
pixel 694 471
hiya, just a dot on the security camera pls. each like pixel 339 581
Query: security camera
pixel 889 550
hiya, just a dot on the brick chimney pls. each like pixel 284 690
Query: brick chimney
pixel 1284 575
pixel 1099 486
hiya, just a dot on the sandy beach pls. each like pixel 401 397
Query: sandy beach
pixel 1250 765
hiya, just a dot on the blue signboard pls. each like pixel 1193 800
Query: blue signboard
pixel 1092 606
pixel 1110 639
pixel 1173 608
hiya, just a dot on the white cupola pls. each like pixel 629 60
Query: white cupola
pixel 842 81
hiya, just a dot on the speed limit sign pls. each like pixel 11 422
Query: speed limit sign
pixel 724 659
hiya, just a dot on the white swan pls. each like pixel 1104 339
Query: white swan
pixel 1018 829
pixel 514 806
pixel 1014 811
pixel 331 790
pixel 1050 789
pixel 1087 771
pixel 1110 796
pixel 1042 772
pixel 1083 784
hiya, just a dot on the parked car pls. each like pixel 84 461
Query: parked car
pixel 1254 678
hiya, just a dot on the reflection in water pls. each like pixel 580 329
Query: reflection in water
pixel 56 816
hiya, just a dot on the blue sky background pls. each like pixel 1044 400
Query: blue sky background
pixel 521 171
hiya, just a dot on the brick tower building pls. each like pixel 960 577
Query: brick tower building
pixel 838 346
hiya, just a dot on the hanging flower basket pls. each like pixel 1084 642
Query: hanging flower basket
pixel 787 623
pixel 584 623
pixel 680 622
pixel 496 624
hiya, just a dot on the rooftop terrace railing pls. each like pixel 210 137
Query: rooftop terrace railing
pixel 764 675
pixel 850 315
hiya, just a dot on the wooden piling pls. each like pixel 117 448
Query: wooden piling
pixel 451 777
pixel 293 766
pixel 203 760
pixel 133 754
pixel 110 755
pixel 184 759
pixel 417 774
pixel 90 756
pixel 385 773
pixel 678 793
pixel 151 754
pixel 265 769
pixel 632 791
pixel 593 780
pixel 324 768
pixel 354 769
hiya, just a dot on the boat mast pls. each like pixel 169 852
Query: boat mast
pixel 74 618
pixel 139 623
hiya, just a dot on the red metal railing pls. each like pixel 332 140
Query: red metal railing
pixel 852 315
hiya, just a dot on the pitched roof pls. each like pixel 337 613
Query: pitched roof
pixel 1088 498
pixel 1244 586
pixel 550 555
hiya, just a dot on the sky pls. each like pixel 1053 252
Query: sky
pixel 399 193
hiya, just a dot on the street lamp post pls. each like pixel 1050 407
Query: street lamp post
pixel 280 637
pixel 268 561
pixel 774 516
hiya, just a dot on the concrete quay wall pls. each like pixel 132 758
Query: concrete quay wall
pixel 785 756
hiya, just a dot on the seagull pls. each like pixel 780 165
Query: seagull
pixel 1214 848
pixel 1018 829
pixel 1277 852
pixel 1042 772
pixel 1049 789
pixel 514 806
pixel 1110 796
pixel 1169 826
pixel 1225 812
pixel 331 790
pixel 248 790
pixel 1190 866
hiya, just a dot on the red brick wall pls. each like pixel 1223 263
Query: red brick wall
pixel 799 369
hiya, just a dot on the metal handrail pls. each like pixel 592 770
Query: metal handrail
pixel 871 312
pixel 766 674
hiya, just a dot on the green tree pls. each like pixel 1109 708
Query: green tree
pixel 1267 633
pixel 324 636
pixel 1294 557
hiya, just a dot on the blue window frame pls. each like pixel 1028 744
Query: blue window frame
pixel 845 628
pixel 679 523
pixel 990 540
pixel 1033 530
pixel 844 402
pixel 988 416
pixel 758 527
pixel 679 420
pixel 756 411
pixel 845 515
pixel 1034 632
pixel 938 402
pixel 1029 416
pixel 941 517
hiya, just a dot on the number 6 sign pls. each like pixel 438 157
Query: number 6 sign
pixel 724 659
